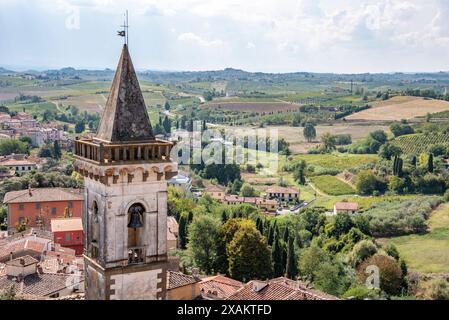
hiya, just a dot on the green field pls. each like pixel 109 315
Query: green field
pixel 419 143
pixel 332 185
pixel 428 253
pixel 340 161
pixel 364 202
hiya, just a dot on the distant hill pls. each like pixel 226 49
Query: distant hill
pixel 4 71
pixel 229 74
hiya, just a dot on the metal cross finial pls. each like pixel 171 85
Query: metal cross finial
pixel 124 33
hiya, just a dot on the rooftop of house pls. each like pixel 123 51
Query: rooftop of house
pixel 214 188
pixel 38 284
pixel 22 261
pixel 66 224
pixel 43 195
pixel 346 206
pixel 14 162
pixel 282 190
pixel 219 287
pixel 178 279
pixel 278 289
pixel 29 244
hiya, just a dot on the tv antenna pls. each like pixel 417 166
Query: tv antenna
pixel 124 33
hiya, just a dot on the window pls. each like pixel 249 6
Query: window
pixel 70 204
pixel 29 168
pixel 67 236
pixel 23 168
pixel 53 211
pixel 17 168
pixel 21 206
pixel 38 205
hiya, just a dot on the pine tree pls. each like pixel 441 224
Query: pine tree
pixel 276 258
pixel 182 235
pixel 167 106
pixel 291 269
pixel 430 163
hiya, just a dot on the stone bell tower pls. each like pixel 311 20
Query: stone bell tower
pixel 125 216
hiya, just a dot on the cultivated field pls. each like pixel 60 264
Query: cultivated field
pixel 89 102
pixel 419 143
pixel 427 253
pixel 257 107
pixel 340 162
pixel 400 107
pixel 332 186
pixel 295 137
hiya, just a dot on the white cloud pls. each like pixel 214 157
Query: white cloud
pixel 191 37
pixel 324 35
pixel 250 45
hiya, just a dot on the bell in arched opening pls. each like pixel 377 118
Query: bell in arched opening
pixel 136 212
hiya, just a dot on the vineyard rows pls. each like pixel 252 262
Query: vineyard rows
pixel 420 143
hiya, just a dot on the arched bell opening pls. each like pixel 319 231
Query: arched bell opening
pixel 136 223
pixel 94 230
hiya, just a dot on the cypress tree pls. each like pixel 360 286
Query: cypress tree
pixel 182 235
pixel 414 161
pixel 270 235
pixel 395 166
pixel 57 150
pixel 224 217
pixel 430 163
pixel 286 235
pixel 190 217
pixel 291 270
pixel 276 258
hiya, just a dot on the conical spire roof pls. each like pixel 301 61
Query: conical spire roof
pixel 125 118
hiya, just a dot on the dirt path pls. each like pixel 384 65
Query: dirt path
pixel 318 191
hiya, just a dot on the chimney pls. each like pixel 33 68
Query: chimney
pixel 195 272
pixel 259 285
pixel 11 256
pixel 30 193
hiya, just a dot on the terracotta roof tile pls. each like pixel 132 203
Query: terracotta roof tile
pixel 282 190
pixel 43 195
pixel 214 188
pixel 278 289
pixel 219 287
pixel 66 224
pixel 178 279
pixel 39 284
pixel 347 206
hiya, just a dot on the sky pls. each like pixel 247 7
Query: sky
pixel 341 36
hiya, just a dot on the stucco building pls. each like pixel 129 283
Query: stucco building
pixel 36 207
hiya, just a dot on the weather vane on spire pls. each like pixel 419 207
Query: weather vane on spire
pixel 124 33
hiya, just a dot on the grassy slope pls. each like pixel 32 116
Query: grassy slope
pixel 339 161
pixel 427 253
pixel 332 185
